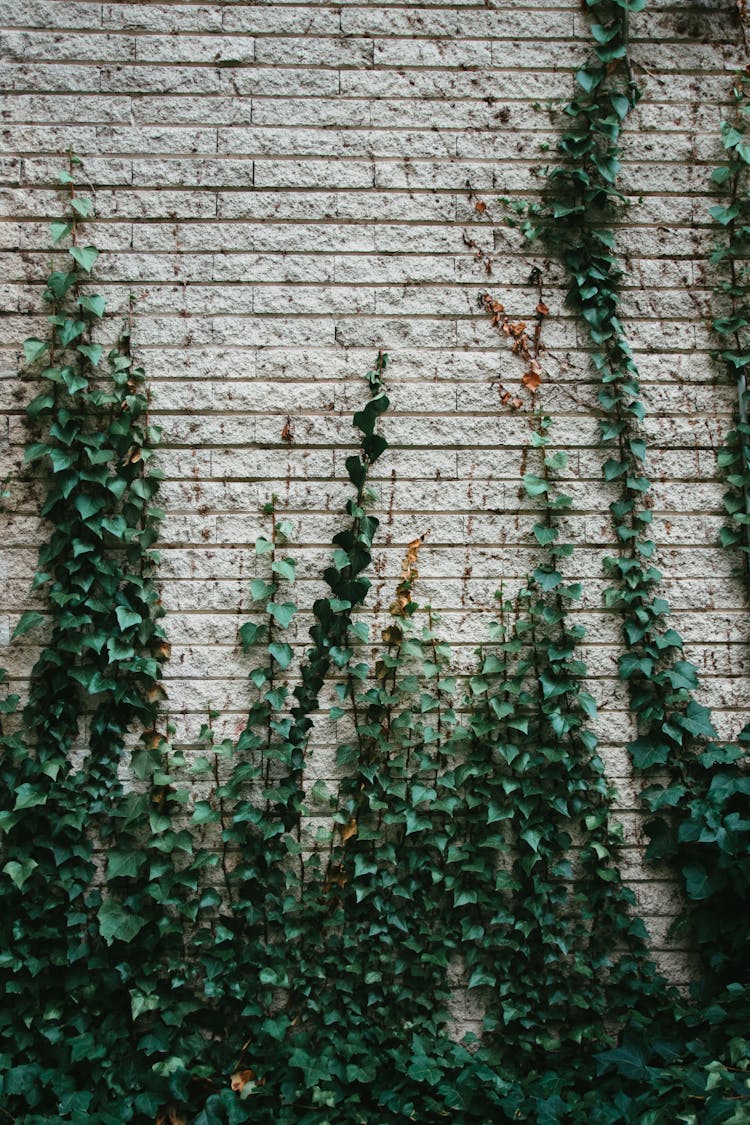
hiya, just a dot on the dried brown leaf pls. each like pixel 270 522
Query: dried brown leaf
pixel 240 1079
pixel 170 1115
pixel 349 830
pixel 533 377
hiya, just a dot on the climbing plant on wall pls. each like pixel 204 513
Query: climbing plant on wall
pixel 733 215
pixel 209 933
pixel 700 822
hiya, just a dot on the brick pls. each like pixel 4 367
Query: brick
pixel 52 47
pixel 314 51
pixel 252 20
pixel 217 110
pixel 216 50
pixel 313 173
pixel 71 16
pixel 162 17
pixel 79 109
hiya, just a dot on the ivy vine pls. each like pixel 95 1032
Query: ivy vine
pixel 226 938
pixel 733 215
pixel 699 822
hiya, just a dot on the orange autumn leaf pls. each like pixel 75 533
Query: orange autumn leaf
pixel 349 830
pixel 240 1079
pixel 542 309
pixel 409 575
pixel 533 377
pixel 480 206
pixel 392 635
pixel 170 1115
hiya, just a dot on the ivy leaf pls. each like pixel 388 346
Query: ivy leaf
pixel 118 923
pixel 697 721
pixel 356 470
pixel 93 352
pixel 28 796
pixel 534 484
pixel 88 506
pixel 60 230
pixel 28 621
pixel 646 753
pixel 33 349
pixel 204 814
pixel 126 618
pixel 74 382
pixel 282 612
pixel 588 79
pixel 532 837
pixel 284 568
pixel 547 579
pixel 93 304
pixel 20 870
pixel 260 589
pixel 249 634
pixel 121 864
pixel 70 330
pixel 82 206
pixel 282 654
pixel 85 256
pixel 545 535
pixel 697 882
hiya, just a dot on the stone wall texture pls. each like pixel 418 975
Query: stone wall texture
pixel 285 188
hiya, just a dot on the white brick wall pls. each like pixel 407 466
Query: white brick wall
pixel 286 188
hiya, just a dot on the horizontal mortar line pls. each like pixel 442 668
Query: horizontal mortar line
pixel 344 126
pixel 472 544
pixel 446 223
pixel 106 67
pixel 344 414
pixel 446 160
pixel 341 38
pixel 88 91
pixel 458 285
pixel 337 99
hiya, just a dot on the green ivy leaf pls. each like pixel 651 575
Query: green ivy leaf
pixel 95 305
pixel 284 568
pixel 282 612
pixel 20 870
pixel 117 922
pixel 698 882
pixel 82 206
pixel 121 864
pixel 28 620
pixel 85 256
pixel 204 814
pixel 34 349
pixel 282 654
pixel 93 353
pixel 60 230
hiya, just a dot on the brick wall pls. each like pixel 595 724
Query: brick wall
pixel 288 187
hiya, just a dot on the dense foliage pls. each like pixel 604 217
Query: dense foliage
pixel 730 254
pixel 228 939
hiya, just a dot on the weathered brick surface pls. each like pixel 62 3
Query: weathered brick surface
pixel 288 187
